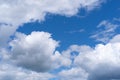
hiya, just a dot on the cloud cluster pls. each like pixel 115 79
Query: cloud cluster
pixel 99 63
pixel 36 52
pixel 31 57
pixel 33 51
pixel 34 55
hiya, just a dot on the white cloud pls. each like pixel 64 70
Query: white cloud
pixel 36 52
pixel 115 39
pixel 33 51
pixel 31 57
pixel 22 11
pixel 9 72
pixel 5 32
pixel 73 74
pixel 61 59
pixel 92 63
pixel 74 50
pixel 4 55
pixel 101 62
pixel 106 30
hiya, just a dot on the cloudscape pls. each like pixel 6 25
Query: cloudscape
pixel 59 40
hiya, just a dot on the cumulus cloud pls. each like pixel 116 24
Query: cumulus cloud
pixel 92 63
pixel 115 39
pixel 9 72
pixel 36 52
pixel 101 62
pixel 61 59
pixel 73 74
pixel 31 56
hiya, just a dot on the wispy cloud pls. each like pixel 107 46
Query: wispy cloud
pixel 76 31
pixel 105 31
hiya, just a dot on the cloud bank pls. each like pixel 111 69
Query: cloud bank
pixel 31 57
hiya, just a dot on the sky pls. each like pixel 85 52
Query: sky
pixel 59 40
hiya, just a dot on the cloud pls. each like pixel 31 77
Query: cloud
pixel 36 52
pixel 101 62
pixel 5 33
pixel 115 39
pixel 33 51
pixel 9 72
pixel 92 63
pixel 106 30
pixel 31 57
pixel 76 31
pixel 73 74
pixel 22 11
pixel 61 60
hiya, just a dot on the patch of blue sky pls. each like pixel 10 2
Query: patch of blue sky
pixel 60 26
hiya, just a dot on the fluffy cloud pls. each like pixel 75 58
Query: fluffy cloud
pixel 36 10
pixel 115 39
pixel 36 52
pixel 73 74
pixel 61 59
pixel 92 63
pixel 101 62
pixel 9 72
pixel 29 56
pixel 5 33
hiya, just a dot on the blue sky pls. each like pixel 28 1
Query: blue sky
pixel 68 29
pixel 60 40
